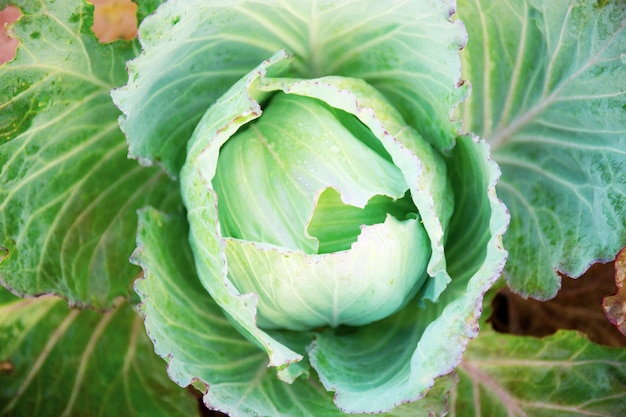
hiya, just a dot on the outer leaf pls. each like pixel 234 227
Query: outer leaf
pixel 202 346
pixel 398 359
pixel 68 193
pixel 201 203
pixel 550 96
pixel 406 49
pixel 55 361
pixel 564 374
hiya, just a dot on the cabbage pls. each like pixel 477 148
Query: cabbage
pixel 335 216
pixel 317 230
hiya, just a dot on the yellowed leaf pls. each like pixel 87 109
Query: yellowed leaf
pixel 114 20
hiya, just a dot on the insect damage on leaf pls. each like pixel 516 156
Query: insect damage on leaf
pixel 8 43
pixel 114 20
pixel 577 306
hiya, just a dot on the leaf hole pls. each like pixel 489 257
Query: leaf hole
pixel 114 20
pixel 577 306
pixel 8 42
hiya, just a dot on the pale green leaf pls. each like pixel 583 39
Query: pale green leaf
pixel 190 331
pixel 231 111
pixel 56 361
pixel 212 47
pixel 300 144
pixel 408 50
pixel 203 348
pixel 560 375
pixel 398 359
pixel 413 159
pixel 549 94
pixel 422 167
pixel 68 193
pixel 460 307
pixel 372 280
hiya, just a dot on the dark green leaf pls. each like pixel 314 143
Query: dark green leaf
pixel 562 375
pixel 57 361
pixel 68 193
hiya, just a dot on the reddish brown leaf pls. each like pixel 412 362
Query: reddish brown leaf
pixel 615 306
pixel 8 44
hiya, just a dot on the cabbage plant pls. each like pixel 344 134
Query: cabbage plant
pixel 330 206
pixel 319 205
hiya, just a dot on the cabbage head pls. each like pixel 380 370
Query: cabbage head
pixel 338 234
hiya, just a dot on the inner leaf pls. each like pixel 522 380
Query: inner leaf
pixel 270 174
pixel 337 225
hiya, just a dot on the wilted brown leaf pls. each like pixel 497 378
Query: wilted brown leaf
pixel 615 306
pixel 8 44
pixel 114 20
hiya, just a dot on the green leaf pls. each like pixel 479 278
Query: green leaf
pixel 549 94
pixel 57 361
pixel 190 331
pixel 391 48
pixel 372 280
pixel 398 359
pixel 421 166
pixel 201 202
pixel 204 348
pixel 6 296
pixel 68 193
pixel 423 358
pixel 146 8
pixel 564 374
pixel 409 52
pixel 280 144
pixel 315 302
